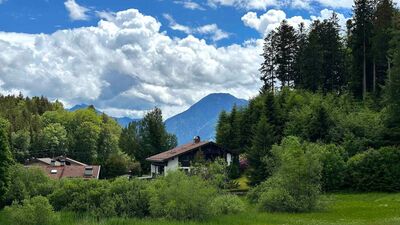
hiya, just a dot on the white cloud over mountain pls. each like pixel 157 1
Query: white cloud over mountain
pixel 126 66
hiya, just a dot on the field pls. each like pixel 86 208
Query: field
pixel 343 209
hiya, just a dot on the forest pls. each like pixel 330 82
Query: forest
pixel 319 143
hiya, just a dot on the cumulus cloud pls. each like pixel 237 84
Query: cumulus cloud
pixel 76 12
pixel 211 30
pixel 246 4
pixel 188 4
pixel 126 66
pixel 270 20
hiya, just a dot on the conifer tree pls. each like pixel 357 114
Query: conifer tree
pixel 6 161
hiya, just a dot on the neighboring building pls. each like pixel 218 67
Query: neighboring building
pixel 63 167
pixel 182 156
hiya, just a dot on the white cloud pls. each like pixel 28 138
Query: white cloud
pixel 271 20
pixel 337 3
pixel 126 66
pixel 211 30
pixel 76 12
pixel 188 4
pixel 246 4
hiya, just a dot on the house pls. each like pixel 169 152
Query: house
pixel 64 167
pixel 182 156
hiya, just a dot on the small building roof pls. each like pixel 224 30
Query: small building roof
pixel 74 171
pixel 163 156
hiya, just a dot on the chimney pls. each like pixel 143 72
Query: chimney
pixel 53 162
pixel 196 139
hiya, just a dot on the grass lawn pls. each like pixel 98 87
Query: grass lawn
pixel 343 209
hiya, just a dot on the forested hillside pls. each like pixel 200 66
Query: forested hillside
pixel 339 90
pixel 37 127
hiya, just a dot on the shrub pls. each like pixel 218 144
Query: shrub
pixel 181 197
pixel 295 185
pixel 375 170
pixel 131 198
pixel 333 168
pixel 34 211
pixel 84 196
pixel 27 183
pixel 227 204
pixel 216 173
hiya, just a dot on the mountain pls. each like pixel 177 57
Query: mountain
pixel 123 121
pixel 201 118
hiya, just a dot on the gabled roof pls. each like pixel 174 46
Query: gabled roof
pixel 74 171
pixel 163 156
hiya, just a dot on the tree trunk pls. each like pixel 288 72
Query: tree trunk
pixel 374 78
pixel 364 69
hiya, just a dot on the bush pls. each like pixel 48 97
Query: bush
pixel 26 183
pixel 333 168
pixel 84 196
pixel 181 197
pixel 227 204
pixel 34 211
pixel 375 170
pixel 131 198
pixel 295 185
pixel 216 173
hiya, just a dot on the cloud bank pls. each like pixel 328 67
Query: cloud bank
pixel 125 65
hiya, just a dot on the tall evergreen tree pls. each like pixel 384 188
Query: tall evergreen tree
pixel 259 155
pixel 268 67
pixel 6 160
pixel 392 89
pixel 380 41
pixel 361 77
pixel 286 51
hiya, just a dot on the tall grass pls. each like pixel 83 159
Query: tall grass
pixel 342 209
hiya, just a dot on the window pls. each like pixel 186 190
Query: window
pixel 88 171
pixel 53 171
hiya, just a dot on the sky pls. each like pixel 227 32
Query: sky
pixel 129 56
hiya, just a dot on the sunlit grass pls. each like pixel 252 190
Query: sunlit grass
pixel 342 209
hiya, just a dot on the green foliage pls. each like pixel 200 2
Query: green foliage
pixel 181 197
pixel 216 172
pixel 227 204
pixel 259 155
pixel 375 170
pixel 34 211
pixel 295 185
pixel 27 183
pixel 131 197
pixel 118 164
pixel 54 139
pixel 84 196
pixel 6 161
pixel 20 145
pixel 333 167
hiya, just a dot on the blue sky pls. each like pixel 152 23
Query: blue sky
pixel 129 56
pixel 48 16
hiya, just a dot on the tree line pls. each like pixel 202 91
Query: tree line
pixel 324 58
pixel 316 86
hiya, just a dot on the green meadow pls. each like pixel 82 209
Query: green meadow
pixel 343 209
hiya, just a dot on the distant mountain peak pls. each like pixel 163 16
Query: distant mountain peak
pixel 202 117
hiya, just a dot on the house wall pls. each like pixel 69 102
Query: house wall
pixel 173 164
pixel 229 158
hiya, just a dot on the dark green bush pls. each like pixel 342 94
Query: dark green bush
pixel 227 204
pixel 84 196
pixel 28 182
pixel 333 168
pixel 181 197
pixel 131 198
pixel 34 211
pixel 375 170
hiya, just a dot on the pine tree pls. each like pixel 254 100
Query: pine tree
pixel 286 51
pixel 361 77
pixel 382 23
pixel 6 161
pixel 260 166
pixel 392 89
pixel 268 69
